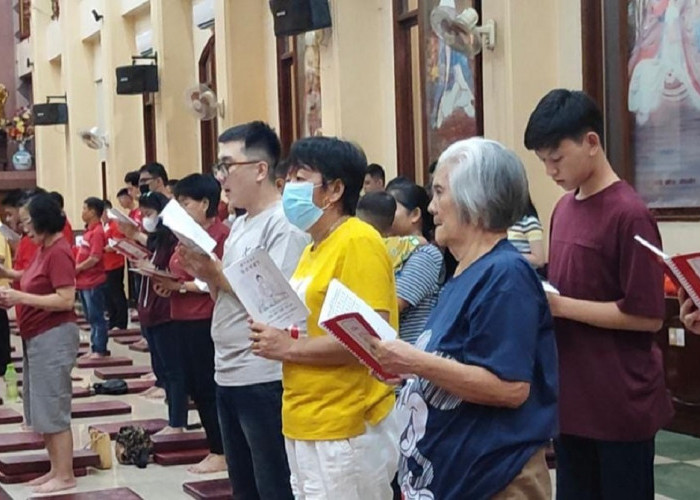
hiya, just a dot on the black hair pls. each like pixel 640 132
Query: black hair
pixel 95 204
pixel 376 172
pixel 198 187
pixel 14 198
pixel 46 214
pixel 123 192
pixel 58 197
pixel 132 178
pixel 334 159
pixel 412 196
pixel 377 209
pixel 563 114
pixel 531 211
pixel 432 167
pixel 256 136
pixel 162 235
pixel 281 169
pixel 172 182
pixel 107 203
pixel 155 170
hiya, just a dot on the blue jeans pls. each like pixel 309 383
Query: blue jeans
pixel 93 301
pixel 250 418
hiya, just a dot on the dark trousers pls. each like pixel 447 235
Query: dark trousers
pixel 5 352
pixel 134 288
pixel 93 301
pixel 251 427
pixel 115 299
pixel 589 469
pixel 197 362
pixel 166 355
pixel 150 333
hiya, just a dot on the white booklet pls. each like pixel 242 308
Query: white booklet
pixel 115 214
pixel 184 227
pixel 265 292
pixel 8 233
pixel 352 321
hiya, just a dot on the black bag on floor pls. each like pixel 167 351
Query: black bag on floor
pixel 133 446
pixel 114 387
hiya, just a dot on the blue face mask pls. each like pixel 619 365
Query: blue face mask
pixel 298 204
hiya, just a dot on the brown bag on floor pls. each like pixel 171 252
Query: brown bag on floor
pixel 101 444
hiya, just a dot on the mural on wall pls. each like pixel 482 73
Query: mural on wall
pixel 309 46
pixel 664 98
pixel 449 86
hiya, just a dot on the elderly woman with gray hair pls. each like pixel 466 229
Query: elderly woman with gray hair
pixel 482 393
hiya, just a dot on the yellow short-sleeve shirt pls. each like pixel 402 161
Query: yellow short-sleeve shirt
pixel 6 253
pixel 335 402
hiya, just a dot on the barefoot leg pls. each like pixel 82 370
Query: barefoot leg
pixel 60 448
pixel 211 463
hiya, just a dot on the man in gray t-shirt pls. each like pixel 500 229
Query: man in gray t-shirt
pixel 249 387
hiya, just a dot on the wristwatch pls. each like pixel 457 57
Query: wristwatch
pixel 183 288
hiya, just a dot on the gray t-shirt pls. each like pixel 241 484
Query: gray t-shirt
pixel 234 362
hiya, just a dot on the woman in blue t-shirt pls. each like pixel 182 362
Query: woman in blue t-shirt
pixel 419 279
pixel 481 404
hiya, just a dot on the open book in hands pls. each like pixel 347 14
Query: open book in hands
pixel 684 270
pixel 129 249
pixel 265 292
pixel 349 319
pixel 186 229
pixel 115 214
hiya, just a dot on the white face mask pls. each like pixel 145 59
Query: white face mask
pixel 150 223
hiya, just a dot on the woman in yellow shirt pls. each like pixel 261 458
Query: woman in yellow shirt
pixel 340 432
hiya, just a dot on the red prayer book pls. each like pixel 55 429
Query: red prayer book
pixel 683 270
pixel 350 320
pixel 130 250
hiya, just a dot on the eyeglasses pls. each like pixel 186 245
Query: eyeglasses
pixel 223 169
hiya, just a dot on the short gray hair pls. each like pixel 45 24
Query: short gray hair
pixel 487 181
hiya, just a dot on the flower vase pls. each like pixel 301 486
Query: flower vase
pixel 22 159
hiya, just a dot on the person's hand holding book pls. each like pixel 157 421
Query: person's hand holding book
pixel 689 314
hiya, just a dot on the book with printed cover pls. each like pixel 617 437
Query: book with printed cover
pixel 115 214
pixel 349 319
pixel 129 249
pixel 186 229
pixel 265 292
pixel 683 270
pixel 152 272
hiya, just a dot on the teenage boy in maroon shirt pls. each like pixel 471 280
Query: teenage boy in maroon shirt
pixel 613 398
pixel 90 275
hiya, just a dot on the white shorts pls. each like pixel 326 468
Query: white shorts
pixel 359 468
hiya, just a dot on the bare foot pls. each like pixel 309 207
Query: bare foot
pixel 149 376
pixel 211 463
pixel 56 484
pixel 169 430
pixel 98 355
pixel 148 391
pixel 43 479
pixel 141 343
pixel 25 428
pixel 157 394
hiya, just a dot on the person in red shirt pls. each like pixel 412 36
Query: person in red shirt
pixel 67 228
pixel 612 398
pixel 115 298
pixel 128 197
pixel 50 335
pixel 90 275
pixel 190 349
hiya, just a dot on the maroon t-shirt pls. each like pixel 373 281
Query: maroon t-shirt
pixel 53 267
pixel 611 381
pixel 152 308
pixel 93 245
pixel 194 306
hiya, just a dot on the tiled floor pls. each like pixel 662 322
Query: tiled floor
pixel 677 465
pixel 154 482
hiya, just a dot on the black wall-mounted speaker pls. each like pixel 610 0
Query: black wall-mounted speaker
pixel 50 113
pixel 297 16
pixel 137 79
